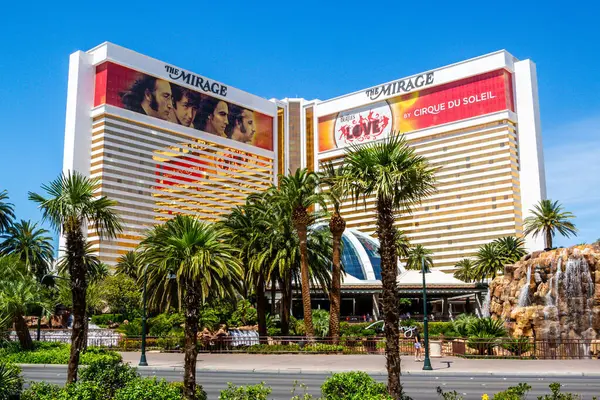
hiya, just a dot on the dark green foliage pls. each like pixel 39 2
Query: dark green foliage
pixel 320 322
pixel 132 329
pixel 518 346
pixel 250 392
pixel 244 314
pixel 353 386
pixel 358 330
pixel 109 374
pixel 42 391
pixel 518 392
pixel 556 394
pixel 166 324
pixel 105 319
pixel 11 382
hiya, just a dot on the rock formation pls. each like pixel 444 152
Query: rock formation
pixel 553 294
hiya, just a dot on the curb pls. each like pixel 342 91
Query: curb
pixel 300 371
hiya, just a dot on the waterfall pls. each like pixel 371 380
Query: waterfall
pixel 579 287
pixel 485 308
pixel 524 295
pixel 556 280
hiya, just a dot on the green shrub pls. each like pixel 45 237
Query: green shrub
pixel 153 389
pixel 518 346
pixel 11 382
pixel 163 324
pixel 353 386
pixel 109 374
pixel 556 394
pixel 357 330
pixel 519 392
pixel 483 343
pixel 200 393
pixel 244 314
pixel 104 319
pixel 42 391
pixel 321 322
pixel 441 328
pixel 323 348
pixel 131 329
pixel 82 391
pixel 251 392
pixel 53 353
pixel 273 348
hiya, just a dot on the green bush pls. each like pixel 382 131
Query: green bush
pixel 103 319
pixel 353 386
pixel 251 392
pixel 163 324
pixel 323 348
pixel 244 314
pixel 131 329
pixel 462 324
pixel 273 348
pixel 42 391
pixel 519 392
pixel 357 330
pixel 109 374
pixel 321 322
pixel 518 346
pixel 441 328
pixel 53 353
pixel 153 389
pixel 11 382
pixel 556 394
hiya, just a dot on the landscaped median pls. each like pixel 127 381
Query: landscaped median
pixel 53 353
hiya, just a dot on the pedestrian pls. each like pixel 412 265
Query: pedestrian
pixel 417 346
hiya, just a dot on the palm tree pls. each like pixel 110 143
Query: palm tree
pixel 205 267
pixel 31 244
pixel 465 270
pixel 71 204
pixel 402 245
pixel 549 217
pixel 416 255
pixel 489 261
pixel 19 291
pixel 511 248
pixel 299 193
pixel 6 211
pixel 129 264
pixel 335 192
pixel 398 178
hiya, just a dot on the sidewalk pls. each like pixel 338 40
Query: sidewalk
pixel 373 364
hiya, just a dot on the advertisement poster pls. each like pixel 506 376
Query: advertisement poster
pixel 132 90
pixel 467 98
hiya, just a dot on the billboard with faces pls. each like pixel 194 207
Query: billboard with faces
pixel 126 88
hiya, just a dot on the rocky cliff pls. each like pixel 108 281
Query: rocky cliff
pixel 553 294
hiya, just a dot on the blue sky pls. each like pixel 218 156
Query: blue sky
pixel 305 49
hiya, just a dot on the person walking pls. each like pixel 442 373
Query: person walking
pixel 417 346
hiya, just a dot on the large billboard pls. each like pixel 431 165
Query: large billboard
pixel 467 98
pixel 145 94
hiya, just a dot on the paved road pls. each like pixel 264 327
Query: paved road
pixel 419 387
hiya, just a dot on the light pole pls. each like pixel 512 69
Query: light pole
pixel 427 363
pixel 39 321
pixel 143 362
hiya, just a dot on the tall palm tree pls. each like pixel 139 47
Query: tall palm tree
pixel 415 255
pixel 31 244
pixel 335 191
pixel 511 248
pixel 465 270
pixel 205 267
pixel 547 218
pixel 129 264
pixel 489 261
pixel 19 291
pixel 300 193
pixel 398 178
pixel 7 213
pixel 70 205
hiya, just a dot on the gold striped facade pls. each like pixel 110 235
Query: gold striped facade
pixel 477 198
pixel 155 174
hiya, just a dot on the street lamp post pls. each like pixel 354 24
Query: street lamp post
pixel 427 363
pixel 143 362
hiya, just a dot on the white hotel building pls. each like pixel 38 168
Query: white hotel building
pixel 477 121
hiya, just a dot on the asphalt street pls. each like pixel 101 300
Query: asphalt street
pixel 421 387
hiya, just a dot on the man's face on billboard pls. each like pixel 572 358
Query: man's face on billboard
pixel 185 111
pixel 163 99
pixel 248 127
pixel 217 121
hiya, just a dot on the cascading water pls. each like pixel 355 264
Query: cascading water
pixel 524 295
pixel 557 279
pixel 485 308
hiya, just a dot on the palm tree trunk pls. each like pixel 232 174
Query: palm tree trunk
pixel 305 277
pixel 75 244
pixel 192 303
pixel 548 239
pixel 23 332
pixel 389 276
pixel 261 307
pixel 335 292
pixel 286 296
